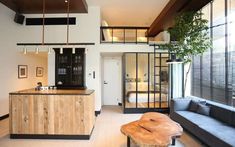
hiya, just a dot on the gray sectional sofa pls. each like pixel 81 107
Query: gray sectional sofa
pixel 214 126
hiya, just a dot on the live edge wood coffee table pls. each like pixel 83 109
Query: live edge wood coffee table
pixel 152 130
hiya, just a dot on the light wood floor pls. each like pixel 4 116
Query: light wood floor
pixel 145 105
pixel 105 134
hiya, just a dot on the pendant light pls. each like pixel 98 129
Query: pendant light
pixel 49 50
pixel 68 5
pixel 43 22
pixel 61 50
pixel 73 50
pixel 36 50
pixel 25 50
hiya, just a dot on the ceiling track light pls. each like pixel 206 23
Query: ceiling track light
pixel 61 50
pixel 73 50
pixel 37 50
pixel 25 50
pixel 49 50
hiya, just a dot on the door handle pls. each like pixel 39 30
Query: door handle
pixel 105 83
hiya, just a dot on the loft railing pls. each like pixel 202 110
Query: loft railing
pixel 123 35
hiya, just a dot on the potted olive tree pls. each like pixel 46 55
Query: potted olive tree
pixel 191 38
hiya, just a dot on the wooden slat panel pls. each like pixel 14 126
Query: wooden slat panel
pixel 52 114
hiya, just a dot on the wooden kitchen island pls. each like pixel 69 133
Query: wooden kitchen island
pixel 52 114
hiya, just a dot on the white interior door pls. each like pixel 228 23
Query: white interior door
pixel 112 81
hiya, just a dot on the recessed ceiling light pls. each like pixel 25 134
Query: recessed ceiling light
pixel 66 1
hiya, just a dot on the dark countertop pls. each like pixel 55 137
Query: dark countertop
pixel 53 92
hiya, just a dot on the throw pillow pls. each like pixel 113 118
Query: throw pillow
pixel 193 106
pixel 203 109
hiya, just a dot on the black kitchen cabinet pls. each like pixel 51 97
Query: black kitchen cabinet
pixel 70 68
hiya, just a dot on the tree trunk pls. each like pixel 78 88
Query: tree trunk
pixel 186 78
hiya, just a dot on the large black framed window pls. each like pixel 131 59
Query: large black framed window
pixel 213 73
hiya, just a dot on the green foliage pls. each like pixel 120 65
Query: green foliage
pixel 191 34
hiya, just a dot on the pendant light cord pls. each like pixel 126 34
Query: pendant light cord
pixel 68 3
pixel 43 22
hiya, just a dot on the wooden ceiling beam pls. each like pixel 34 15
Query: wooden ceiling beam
pixel 52 6
pixel 174 7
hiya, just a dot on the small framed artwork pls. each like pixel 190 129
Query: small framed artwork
pixel 22 71
pixel 39 71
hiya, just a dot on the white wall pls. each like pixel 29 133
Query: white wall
pixel 10 58
pixel 87 29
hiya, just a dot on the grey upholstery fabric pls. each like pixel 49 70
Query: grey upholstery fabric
pixel 214 130
pixel 200 133
pixel 199 119
pixel 180 104
pixel 223 132
pixel 222 114
pixel 203 109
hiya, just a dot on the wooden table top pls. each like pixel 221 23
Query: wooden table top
pixel 53 92
pixel 153 129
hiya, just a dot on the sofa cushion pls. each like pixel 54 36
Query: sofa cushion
pixel 180 104
pixel 193 106
pixel 223 132
pixel 199 119
pixel 221 113
pixel 203 109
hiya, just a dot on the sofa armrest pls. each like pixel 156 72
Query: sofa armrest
pixel 179 104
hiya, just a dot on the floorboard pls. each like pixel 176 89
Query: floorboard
pixel 105 134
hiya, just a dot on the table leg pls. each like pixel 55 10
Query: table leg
pixel 128 141
pixel 173 141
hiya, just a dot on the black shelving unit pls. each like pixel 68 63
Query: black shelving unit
pixel 70 68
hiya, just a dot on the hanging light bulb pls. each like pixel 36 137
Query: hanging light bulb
pixel 37 50
pixel 61 50
pixel 73 50
pixel 49 50
pixel 25 50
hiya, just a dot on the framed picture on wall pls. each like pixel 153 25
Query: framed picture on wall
pixel 39 71
pixel 22 71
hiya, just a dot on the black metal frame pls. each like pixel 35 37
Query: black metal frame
pixel 124 28
pixel 226 60
pixel 148 108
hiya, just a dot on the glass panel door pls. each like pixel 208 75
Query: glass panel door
pixel 63 69
pixel 77 68
pixel 130 80
pixel 143 97
pixel 164 74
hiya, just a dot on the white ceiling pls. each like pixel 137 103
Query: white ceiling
pixel 129 12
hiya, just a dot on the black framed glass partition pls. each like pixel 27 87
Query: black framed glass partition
pixel 119 34
pixel 145 83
